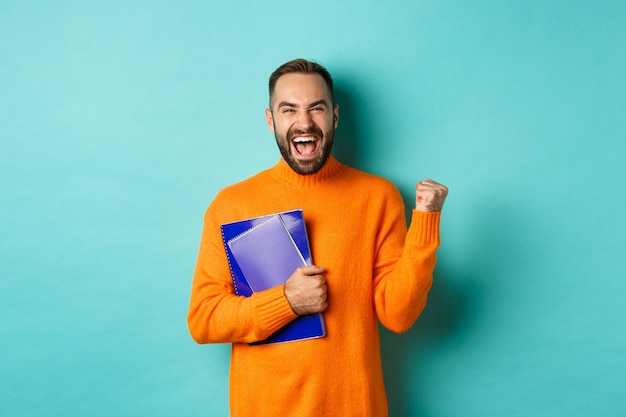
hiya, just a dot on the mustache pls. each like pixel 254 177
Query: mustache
pixel 313 130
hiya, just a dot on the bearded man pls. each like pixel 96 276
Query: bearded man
pixel 369 267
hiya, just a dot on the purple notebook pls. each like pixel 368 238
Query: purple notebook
pixel 262 253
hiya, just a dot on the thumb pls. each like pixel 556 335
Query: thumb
pixel 312 270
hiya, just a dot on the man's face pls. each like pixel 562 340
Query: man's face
pixel 303 119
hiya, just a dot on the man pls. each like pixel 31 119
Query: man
pixel 368 267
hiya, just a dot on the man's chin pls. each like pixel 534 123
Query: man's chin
pixel 307 166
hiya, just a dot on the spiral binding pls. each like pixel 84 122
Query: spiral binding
pixel 245 232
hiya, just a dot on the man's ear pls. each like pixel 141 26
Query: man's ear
pixel 269 119
pixel 336 115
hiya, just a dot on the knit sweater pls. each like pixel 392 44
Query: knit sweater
pixel 375 271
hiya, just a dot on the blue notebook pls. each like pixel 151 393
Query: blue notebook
pixel 262 253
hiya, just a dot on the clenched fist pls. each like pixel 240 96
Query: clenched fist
pixel 429 195
pixel 306 290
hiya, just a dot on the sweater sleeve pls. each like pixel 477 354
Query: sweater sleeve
pixel 216 313
pixel 401 284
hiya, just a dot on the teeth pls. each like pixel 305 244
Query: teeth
pixel 304 139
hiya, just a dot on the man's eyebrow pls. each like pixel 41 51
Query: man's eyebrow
pixel 315 103
pixel 318 102
pixel 286 104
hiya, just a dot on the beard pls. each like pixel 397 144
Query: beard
pixel 310 166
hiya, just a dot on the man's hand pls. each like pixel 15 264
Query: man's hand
pixel 306 290
pixel 429 196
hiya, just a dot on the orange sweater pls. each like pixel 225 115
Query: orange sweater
pixel 357 230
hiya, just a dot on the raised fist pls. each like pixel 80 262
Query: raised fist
pixel 430 195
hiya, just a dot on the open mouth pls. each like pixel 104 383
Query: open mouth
pixel 305 146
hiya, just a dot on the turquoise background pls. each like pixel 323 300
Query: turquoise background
pixel 120 120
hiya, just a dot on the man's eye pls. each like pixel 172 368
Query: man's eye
pixel 317 109
pixel 287 111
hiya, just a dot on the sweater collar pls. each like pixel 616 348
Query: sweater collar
pixel 283 172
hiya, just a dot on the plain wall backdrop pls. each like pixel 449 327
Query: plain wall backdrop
pixel 120 120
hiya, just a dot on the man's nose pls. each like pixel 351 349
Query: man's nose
pixel 304 119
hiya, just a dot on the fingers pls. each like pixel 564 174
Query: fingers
pixel 429 184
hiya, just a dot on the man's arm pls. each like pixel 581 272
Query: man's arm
pixel 216 313
pixel 406 259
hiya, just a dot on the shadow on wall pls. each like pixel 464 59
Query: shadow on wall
pixel 346 148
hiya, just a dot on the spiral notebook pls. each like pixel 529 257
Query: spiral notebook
pixel 262 253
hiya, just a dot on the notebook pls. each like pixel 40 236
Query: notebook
pixel 262 253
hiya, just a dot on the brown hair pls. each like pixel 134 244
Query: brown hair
pixel 301 66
